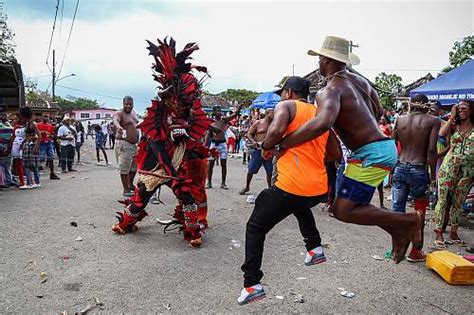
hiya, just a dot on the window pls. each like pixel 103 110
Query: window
pixel 85 115
pixel 107 115
pixel 97 115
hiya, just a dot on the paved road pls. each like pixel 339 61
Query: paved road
pixel 147 271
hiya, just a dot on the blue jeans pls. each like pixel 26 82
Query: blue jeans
pixel 30 176
pixel 409 179
pixel 6 163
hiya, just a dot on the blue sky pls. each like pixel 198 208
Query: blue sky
pixel 244 44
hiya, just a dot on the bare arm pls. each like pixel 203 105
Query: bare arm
pixel 237 113
pixel 446 129
pixel 116 120
pixel 329 104
pixel 252 132
pixel 277 128
pixel 432 154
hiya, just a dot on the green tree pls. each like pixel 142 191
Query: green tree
pixel 388 84
pixel 32 94
pixel 7 43
pixel 461 52
pixel 238 95
pixel 78 103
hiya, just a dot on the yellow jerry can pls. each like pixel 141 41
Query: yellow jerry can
pixel 452 268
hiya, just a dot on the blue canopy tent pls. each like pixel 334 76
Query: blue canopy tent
pixel 266 100
pixel 450 88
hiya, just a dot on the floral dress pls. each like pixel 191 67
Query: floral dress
pixel 455 177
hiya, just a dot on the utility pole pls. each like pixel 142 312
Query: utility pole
pixel 54 74
pixel 293 69
pixel 352 45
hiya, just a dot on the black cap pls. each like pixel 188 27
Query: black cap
pixel 295 83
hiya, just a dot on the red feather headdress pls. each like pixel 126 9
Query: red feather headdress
pixel 179 91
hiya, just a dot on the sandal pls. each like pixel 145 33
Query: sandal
pixel 440 244
pixel 458 242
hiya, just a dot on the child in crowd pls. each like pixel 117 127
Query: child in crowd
pixel 100 144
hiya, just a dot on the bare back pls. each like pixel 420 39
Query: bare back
pixel 356 123
pixel 416 132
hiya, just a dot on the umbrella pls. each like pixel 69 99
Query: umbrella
pixel 266 100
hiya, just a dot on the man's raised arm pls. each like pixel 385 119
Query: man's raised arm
pixel 329 104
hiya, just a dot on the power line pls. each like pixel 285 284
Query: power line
pixel 61 18
pixel 68 38
pixel 52 33
pixel 98 94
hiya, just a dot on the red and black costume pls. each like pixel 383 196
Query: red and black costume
pixel 171 152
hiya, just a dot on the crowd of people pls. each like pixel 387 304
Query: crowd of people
pixel 30 143
pixel 338 151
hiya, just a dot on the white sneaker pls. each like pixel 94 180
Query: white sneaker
pixel 36 186
pixel 26 187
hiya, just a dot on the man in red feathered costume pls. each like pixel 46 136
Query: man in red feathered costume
pixel 171 151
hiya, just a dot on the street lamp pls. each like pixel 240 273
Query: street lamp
pixel 56 81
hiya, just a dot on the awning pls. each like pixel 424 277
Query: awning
pixel 452 87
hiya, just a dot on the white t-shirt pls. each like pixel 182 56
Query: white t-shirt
pixel 64 131
pixel 105 130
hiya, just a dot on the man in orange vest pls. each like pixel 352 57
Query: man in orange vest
pixel 294 192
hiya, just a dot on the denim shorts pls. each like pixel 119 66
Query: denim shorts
pixel 257 161
pixel 409 179
pixel 47 150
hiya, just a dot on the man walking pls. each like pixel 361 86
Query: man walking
pixel 216 137
pixel 352 107
pixel 125 123
pixel 417 133
pixel 294 191
pixel 256 134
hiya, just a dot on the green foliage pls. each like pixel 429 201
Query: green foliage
pixel 32 94
pixel 238 95
pixel 7 43
pixel 461 52
pixel 388 83
pixel 78 103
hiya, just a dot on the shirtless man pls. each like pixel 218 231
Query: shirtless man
pixel 256 134
pixel 417 133
pixel 216 137
pixel 125 123
pixel 351 106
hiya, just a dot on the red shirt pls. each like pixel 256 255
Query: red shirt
pixel 47 132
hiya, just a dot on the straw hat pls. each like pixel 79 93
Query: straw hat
pixel 336 48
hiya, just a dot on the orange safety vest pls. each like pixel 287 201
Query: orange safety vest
pixel 301 169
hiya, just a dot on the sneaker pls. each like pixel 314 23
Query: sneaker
pixel 224 186
pixel 416 256
pixel 315 256
pixel 388 254
pixel 54 177
pixel 36 185
pixel 72 170
pixel 251 294
pixel 26 187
